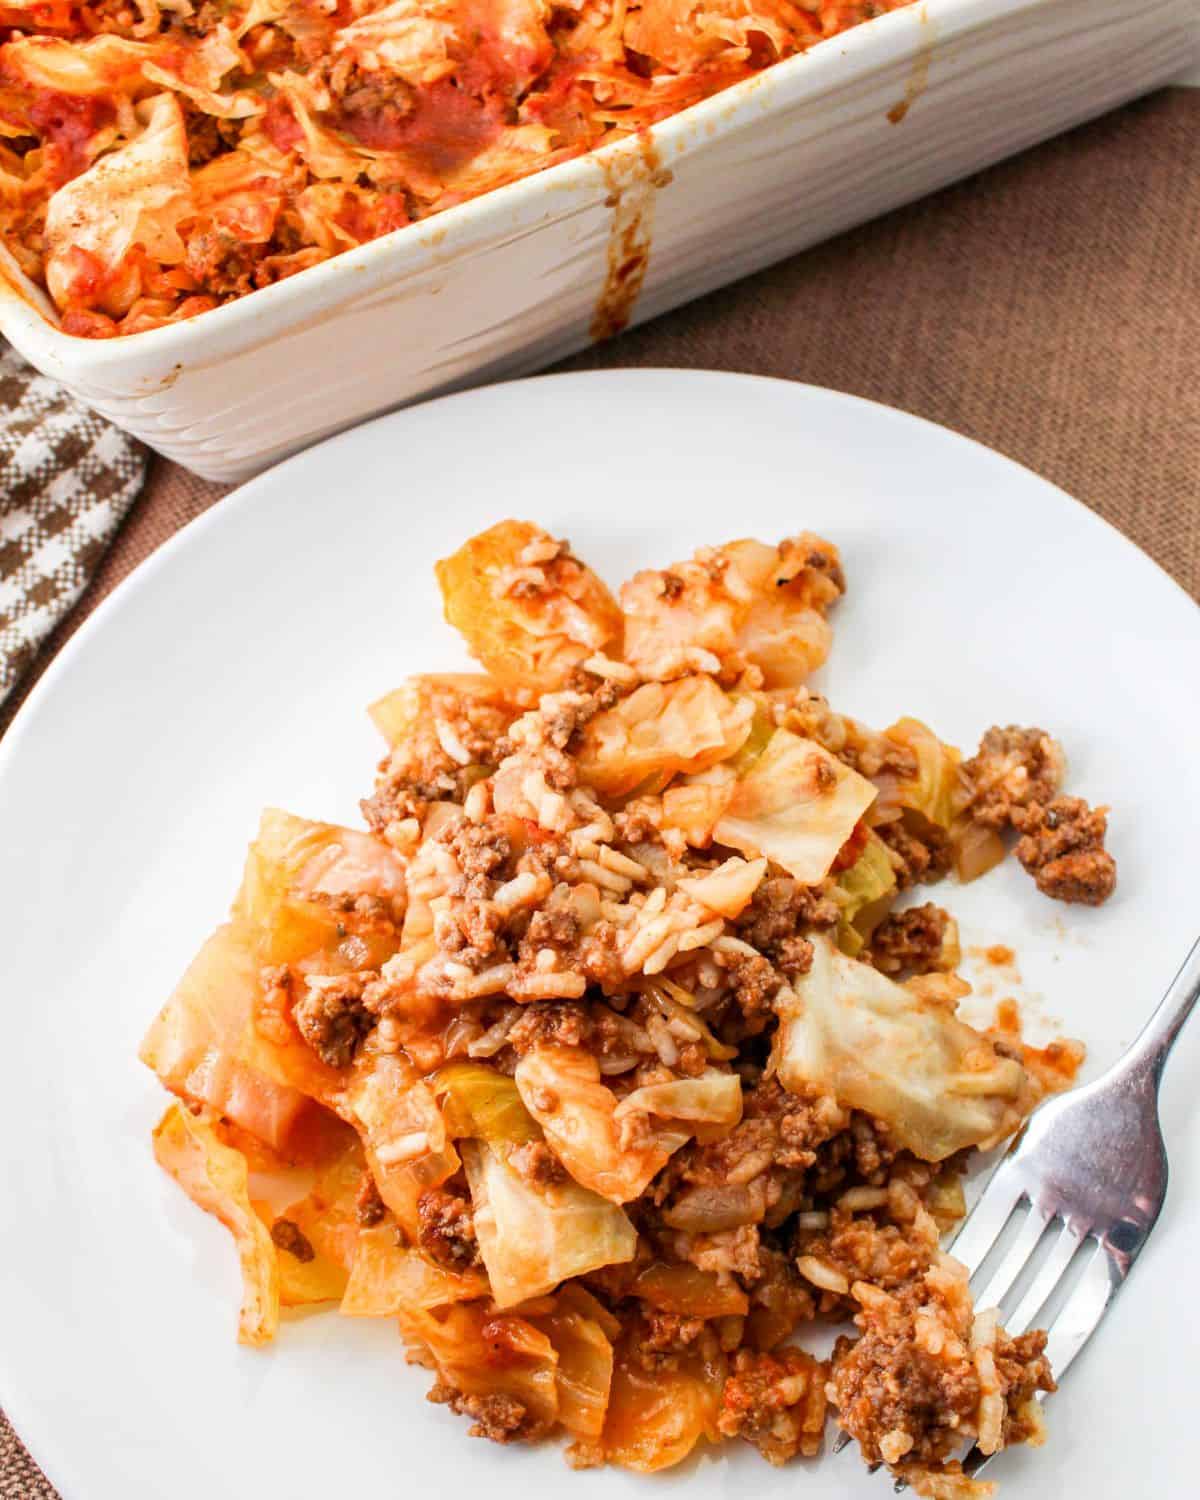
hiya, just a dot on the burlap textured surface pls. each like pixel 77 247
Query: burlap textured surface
pixel 1049 307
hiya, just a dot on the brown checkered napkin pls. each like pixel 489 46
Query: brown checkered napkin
pixel 66 480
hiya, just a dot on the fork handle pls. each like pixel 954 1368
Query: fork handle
pixel 1157 1037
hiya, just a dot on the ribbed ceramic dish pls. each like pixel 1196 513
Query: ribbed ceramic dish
pixel 876 117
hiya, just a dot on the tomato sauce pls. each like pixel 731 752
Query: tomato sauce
pixel 447 128
pixel 68 124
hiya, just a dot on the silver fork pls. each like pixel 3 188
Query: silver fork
pixel 1078 1192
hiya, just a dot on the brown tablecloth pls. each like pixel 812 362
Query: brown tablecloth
pixel 1049 307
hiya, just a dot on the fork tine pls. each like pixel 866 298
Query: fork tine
pixel 1049 1275
pixel 1015 1260
pixel 1074 1324
pixel 985 1223
pixel 1082 1311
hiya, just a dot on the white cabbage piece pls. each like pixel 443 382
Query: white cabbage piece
pixel 938 1085
pixel 583 1120
pixel 797 804
pixel 99 68
pixel 409 39
pixel 532 1238
pixel 136 194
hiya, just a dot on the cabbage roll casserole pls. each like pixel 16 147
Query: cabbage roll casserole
pixel 161 157
pixel 620 1050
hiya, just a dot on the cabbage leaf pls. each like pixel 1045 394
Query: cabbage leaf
pixel 532 1235
pixel 215 1178
pixel 797 805
pixel 937 1084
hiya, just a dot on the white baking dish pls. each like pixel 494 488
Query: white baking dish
pixel 506 283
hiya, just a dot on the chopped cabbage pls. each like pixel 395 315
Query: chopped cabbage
pixel 484 1353
pixel 714 1098
pixel 864 892
pixel 656 1417
pixel 689 1291
pixel 527 612
pixel 215 1178
pixel 532 1235
pixel 484 1104
pixel 326 1218
pixel 662 729
pixel 938 1085
pixel 729 888
pixel 97 68
pixel 562 1089
pixel 797 804
pixel 387 1279
pixel 936 792
pixel 741 603
pixel 410 39
pixel 407 1141
pixel 583 1374
pixel 135 195
pixel 293 868
pixel 203 1047
pixel 408 717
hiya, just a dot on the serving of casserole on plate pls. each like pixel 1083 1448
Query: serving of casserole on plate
pixel 638 1070
pixel 203 206
pixel 543 1280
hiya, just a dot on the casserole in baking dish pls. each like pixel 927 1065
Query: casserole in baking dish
pixel 870 118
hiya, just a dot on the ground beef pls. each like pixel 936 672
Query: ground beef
pixel 554 927
pixel 1012 768
pixel 638 821
pixel 780 1300
pixel 599 960
pixel 500 1418
pixel 886 1384
pixel 658 1340
pixel 754 983
pixel 382 97
pixel 369 1207
pixel 909 1389
pixel 780 909
pixel 332 1018
pixel 855 1156
pixel 776 1402
pixel 752 1175
pixel 472 928
pixel 1062 847
pixel 861 1249
pixel 917 858
pixel 205 19
pixel 207 136
pixel 565 1023
pixel 289 1236
pixel 537 1164
pixel 564 724
pixel 479 850
pixel 220 263
pixel 911 942
pixel 1023 1369
pixel 446 1228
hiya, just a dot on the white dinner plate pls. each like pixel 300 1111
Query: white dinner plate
pixel 233 670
